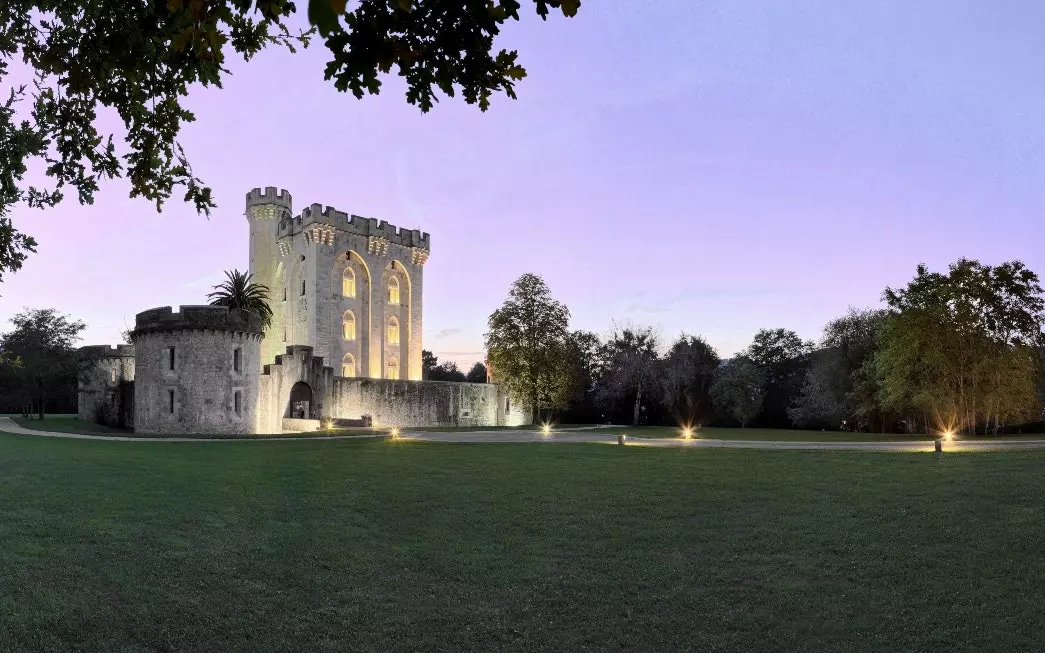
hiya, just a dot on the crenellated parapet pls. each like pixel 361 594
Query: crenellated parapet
pixel 372 227
pixel 207 318
pixel 108 351
pixel 270 204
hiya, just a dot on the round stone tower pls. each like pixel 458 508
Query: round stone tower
pixel 265 211
pixel 196 371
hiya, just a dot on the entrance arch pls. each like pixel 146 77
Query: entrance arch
pixel 300 405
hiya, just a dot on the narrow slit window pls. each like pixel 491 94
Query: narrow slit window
pixel 170 401
pixel 302 287
pixel 236 360
pixel 236 402
pixel 170 358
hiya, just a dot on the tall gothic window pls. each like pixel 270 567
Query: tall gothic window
pixel 393 331
pixel 348 283
pixel 348 325
pixel 393 291
pixel 348 365
pixel 393 368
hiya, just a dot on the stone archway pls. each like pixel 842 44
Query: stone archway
pixel 300 405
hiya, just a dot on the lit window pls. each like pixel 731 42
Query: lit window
pixel 236 359
pixel 393 291
pixel 348 365
pixel 393 331
pixel 393 368
pixel 348 283
pixel 348 326
pixel 114 375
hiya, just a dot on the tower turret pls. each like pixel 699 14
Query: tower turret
pixel 265 210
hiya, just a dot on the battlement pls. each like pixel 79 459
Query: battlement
pixel 272 203
pixel 108 351
pixel 196 318
pixel 317 213
pixel 304 352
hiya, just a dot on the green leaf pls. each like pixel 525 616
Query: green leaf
pixel 323 14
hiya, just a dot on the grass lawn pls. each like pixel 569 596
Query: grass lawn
pixel 405 546
pixel 787 435
pixel 67 424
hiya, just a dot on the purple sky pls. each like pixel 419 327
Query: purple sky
pixel 709 168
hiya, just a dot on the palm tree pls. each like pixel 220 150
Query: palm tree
pixel 238 291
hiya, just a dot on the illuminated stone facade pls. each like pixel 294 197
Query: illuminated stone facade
pixel 344 344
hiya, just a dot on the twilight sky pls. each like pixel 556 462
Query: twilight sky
pixel 709 168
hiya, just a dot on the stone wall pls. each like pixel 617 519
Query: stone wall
pixel 204 383
pixel 277 382
pixel 106 389
pixel 424 403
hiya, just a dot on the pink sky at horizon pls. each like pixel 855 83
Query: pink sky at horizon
pixel 713 170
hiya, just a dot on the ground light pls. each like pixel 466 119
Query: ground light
pixel 546 429
pixel 687 432
pixel 394 432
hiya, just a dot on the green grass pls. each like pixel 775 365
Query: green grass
pixel 406 546
pixel 67 424
pixel 788 435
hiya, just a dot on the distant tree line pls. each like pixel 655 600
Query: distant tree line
pixel 959 351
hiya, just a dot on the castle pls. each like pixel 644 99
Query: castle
pixel 343 347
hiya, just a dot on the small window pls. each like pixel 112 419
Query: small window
pixel 170 401
pixel 236 402
pixel 170 358
pixel 236 360
pixel 507 404
pixel 393 291
pixel 114 375
pixel 348 283
pixel 393 368
pixel 393 331
pixel 284 293
pixel 348 326
pixel 348 366
pixel 302 287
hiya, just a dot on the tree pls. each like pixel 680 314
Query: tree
pixel 43 340
pixel 821 402
pixel 631 369
pixel 477 374
pixel 584 360
pixel 138 59
pixel 446 371
pixel 739 389
pixel 428 363
pixel 836 390
pixel 783 357
pixel 687 374
pixel 238 291
pixel 962 348
pixel 525 344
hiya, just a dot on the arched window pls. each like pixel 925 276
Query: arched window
pixel 348 325
pixel 393 331
pixel 348 365
pixel 393 368
pixel 348 283
pixel 393 291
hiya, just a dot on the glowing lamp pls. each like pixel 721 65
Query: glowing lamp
pixel 621 439
pixel 394 432
pixel 546 428
pixel 687 432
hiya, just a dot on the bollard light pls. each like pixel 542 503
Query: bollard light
pixel 939 445
pixel 394 432
pixel 621 438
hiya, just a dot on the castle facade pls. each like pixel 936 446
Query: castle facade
pixel 343 348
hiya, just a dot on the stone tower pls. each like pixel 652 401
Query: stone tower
pixel 265 210
pixel 349 287
pixel 196 371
